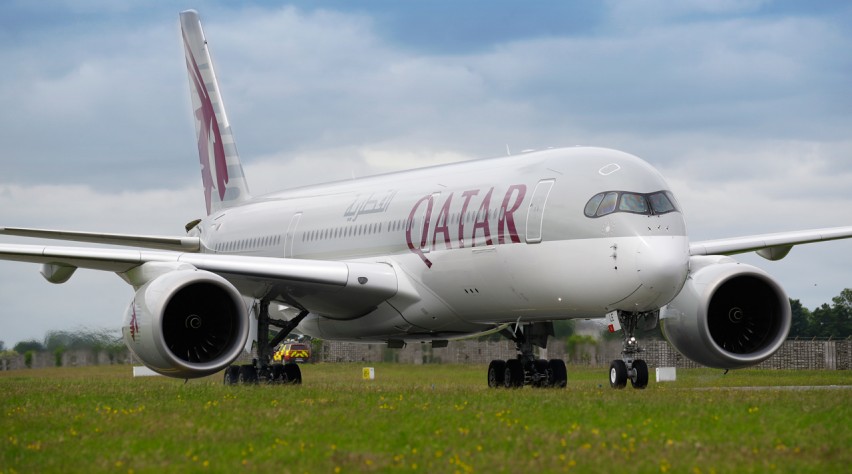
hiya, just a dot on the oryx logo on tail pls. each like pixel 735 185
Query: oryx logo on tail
pixel 221 172
pixel 211 152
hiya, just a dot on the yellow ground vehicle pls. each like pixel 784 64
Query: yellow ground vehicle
pixel 292 352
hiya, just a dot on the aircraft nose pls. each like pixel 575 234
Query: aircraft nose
pixel 662 265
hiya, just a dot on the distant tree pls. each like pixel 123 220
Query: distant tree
pixel 95 341
pixel 25 346
pixel 577 347
pixel 82 339
pixel 844 301
pixel 62 340
pixel 801 326
pixel 2 346
pixel 834 321
pixel 57 355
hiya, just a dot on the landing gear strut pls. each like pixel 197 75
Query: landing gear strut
pixel 629 367
pixel 262 369
pixel 526 369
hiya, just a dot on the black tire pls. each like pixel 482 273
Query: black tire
pixel 277 374
pixel 232 375
pixel 618 374
pixel 514 374
pixel 558 373
pixel 640 379
pixel 292 374
pixel 248 374
pixel 496 373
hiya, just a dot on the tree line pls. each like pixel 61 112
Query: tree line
pixel 59 342
pixel 828 321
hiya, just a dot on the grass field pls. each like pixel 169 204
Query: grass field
pixel 433 418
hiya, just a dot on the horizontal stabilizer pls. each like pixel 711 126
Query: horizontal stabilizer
pixel 179 244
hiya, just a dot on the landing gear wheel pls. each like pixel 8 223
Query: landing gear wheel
pixel 232 375
pixel 558 373
pixel 542 377
pixel 618 374
pixel 292 374
pixel 640 377
pixel 248 374
pixel 496 373
pixel 514 374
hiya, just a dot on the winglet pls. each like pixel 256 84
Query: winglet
pixel 221 171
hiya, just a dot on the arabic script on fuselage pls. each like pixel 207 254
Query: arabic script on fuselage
pixel 369 204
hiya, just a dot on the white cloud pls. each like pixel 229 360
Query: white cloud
pixel 746 114
pixel 30 305
pixel 79 207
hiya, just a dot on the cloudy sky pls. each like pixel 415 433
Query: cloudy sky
pixel 743 105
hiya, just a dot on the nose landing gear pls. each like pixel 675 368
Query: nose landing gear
pixel 629 367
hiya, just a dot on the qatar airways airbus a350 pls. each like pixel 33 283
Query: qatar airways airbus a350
pixel 507 244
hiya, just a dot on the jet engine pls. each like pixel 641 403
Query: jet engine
pixel 186 323
pixel 729 315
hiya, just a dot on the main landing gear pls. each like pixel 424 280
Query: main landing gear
pixel 261 370
pixel 629 367
pixel 526 369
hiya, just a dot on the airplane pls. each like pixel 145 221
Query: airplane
pixel 508 245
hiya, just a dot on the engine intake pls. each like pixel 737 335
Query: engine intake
pixel 186 324
pixel 728 315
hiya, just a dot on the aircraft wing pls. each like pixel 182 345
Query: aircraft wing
pixel 331 288
pixel 181 244
pixel 770 246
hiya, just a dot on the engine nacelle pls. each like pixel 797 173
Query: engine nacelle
pixel 729 315
pixel 186 323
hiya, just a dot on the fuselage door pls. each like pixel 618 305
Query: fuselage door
pixel 535 214
pixel 290 236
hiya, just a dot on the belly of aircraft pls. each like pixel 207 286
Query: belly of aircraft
pixel 584 278
pixel 480 287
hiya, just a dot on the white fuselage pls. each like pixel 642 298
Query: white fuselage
pixel 475 244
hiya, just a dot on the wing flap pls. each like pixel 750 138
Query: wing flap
pixel 780 241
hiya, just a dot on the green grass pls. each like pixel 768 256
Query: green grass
pixel 435 418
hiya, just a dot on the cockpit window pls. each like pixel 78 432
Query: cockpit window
pixel 631 202
pixel 592 205
pixel 602 204
pixel 661 202
pixel 607 204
